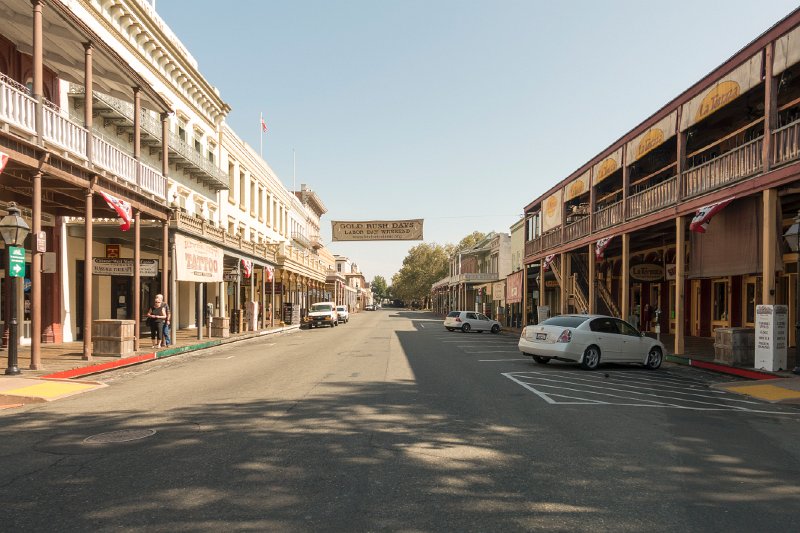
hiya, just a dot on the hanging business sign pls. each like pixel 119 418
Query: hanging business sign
pixel 102 266
pixel 377 230
pixel 647 272
pixel 197 261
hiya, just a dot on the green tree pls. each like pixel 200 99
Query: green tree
pixel 379 287
pixel 470 240
pixel 424 265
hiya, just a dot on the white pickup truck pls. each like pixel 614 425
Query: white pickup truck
pixel 344 314
pixel 322 314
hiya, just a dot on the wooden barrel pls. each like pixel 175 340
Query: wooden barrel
pixel 113 337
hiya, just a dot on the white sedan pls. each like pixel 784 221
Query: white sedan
pixel 588 339
pixel 468 321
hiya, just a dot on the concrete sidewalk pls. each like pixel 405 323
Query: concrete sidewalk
pixel 63 363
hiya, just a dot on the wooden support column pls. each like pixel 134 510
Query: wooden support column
pixel 36 276
pixel 87 278
pixel 137 279
pixel 680 282
pixel 625 308
pixel 272 314
pixel 198 297
pixel 541 286
pixel 88 103
pixel 165 261
pixel 770 107
pixel 137 132
pixel 38 63
pixel 524 297
pixel 165 145
pixel 564 281
pixel 680 166
pixel 591 275
pixel 769 236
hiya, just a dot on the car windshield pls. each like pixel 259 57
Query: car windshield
pixel 340 308
pixel 565 321
pixel 320 307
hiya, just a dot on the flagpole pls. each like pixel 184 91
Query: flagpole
pixel 294 172
pixel 261 134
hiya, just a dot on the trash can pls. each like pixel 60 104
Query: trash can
pixel 237 319
pixel 735 346
pixel 113 337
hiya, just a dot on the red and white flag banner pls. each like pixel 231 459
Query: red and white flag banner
pixel 3 160
pixel 705 214
pixel 548 259
pixel 601 246
pixel 123 209
pixel 270 273
pixel 247 267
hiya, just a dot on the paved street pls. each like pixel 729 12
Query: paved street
pixel 391 423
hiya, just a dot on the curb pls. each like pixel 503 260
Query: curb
pixel 162 354
pixel 723 369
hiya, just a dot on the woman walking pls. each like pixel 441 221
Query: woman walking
pixel 156 316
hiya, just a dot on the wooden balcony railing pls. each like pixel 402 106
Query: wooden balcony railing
pixel 786 144
pixel 654 198
pixel 549 240
pixel 576 230
pixel 608 216
pixel 730 167
pixel 532 247
pixel 64 133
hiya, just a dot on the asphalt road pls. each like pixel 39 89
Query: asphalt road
pixel 391 423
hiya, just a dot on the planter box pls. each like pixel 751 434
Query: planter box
pixel 220 327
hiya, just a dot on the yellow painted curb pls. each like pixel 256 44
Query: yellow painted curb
pixel 766 392
pixel 50 389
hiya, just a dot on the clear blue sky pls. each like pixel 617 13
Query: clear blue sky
pixel 460 112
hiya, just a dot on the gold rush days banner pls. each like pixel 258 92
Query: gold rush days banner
pixel 378 230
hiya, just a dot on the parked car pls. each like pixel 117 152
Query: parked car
pixel 468 321
pixel 322 314
pixel 369 307
pixel 588 340
pixel 343 313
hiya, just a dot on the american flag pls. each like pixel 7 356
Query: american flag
pixel 264 125
pixel 270 273
pixel 3 160
pixel 602 244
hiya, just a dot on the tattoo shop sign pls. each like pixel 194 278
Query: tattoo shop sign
pixel 197 261
pixel 378 230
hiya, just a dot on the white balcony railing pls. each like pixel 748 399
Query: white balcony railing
pixel 19 110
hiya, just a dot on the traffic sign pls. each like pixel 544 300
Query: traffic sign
pixel 16 256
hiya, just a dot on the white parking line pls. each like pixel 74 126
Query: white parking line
pixel 588 391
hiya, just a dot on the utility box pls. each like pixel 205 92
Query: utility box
pixel 735 346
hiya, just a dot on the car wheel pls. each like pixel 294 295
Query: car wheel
pixel 465 328
pixel 495 329
pixel 451 329
pixel 591 358
pixel 541 360
pixel 654 358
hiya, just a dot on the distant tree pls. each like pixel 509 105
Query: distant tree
pixel 379 287
pixel 470 240
pixel 424 265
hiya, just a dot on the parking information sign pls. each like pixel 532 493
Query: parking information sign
pixel 16 255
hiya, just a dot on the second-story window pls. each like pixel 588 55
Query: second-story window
pixel 182 131
pixel 231 182
pixel 253 198
pixel 242 186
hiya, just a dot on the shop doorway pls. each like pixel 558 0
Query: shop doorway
pixel 121 300
pixel 720 303
pixel 696 315
pixel 751 297
pixel 636 306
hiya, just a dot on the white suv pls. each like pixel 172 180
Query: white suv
pixel 344 314
pixel 468 321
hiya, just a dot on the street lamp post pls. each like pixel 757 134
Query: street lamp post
pixel 792 237
pixel 13 230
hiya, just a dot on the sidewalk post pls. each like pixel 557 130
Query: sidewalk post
pixel 13 230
